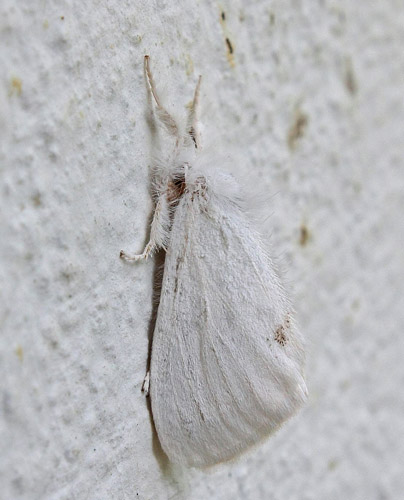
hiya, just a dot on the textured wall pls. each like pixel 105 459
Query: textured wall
pixel 310 105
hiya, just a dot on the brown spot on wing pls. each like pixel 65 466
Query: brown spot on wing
pixel 350 79
pixel 304 235
pixel 281 332
pixel 229 46
pixel 280 336
pixel 297 129
pixel 15 86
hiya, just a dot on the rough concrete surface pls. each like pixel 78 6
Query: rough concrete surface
pixel 307 98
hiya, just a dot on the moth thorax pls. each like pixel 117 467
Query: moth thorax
pixel 175 188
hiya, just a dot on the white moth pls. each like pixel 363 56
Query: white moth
pixel 227 360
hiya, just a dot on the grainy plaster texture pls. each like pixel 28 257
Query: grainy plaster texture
pixel 307 98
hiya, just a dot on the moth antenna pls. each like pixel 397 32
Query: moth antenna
pixel 150 80
pixel 166 119
pixel 193 116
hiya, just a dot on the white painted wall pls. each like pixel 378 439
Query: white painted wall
pixel 310 106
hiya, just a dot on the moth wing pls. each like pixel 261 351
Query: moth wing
pixel 227 361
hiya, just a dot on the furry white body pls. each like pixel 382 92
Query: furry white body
pixel 227 360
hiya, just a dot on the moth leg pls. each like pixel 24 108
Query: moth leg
pixel 146 383
pixel 193 118
pixel 158 231
pixel 166 119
